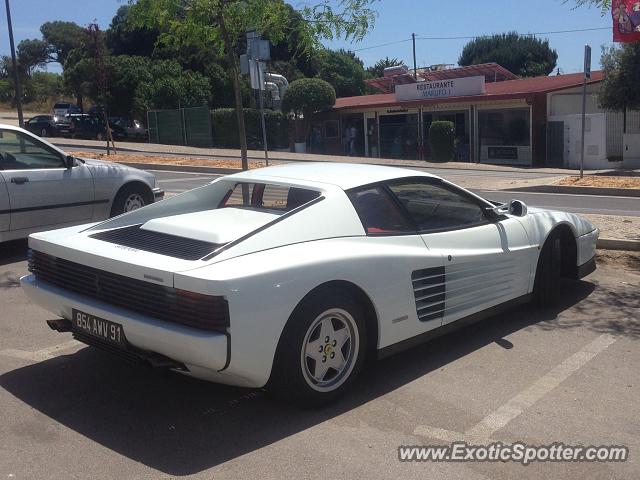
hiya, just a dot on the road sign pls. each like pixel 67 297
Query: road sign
pixel 587 62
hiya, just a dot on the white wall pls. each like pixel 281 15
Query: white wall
pixel 595 141
pixel 569 102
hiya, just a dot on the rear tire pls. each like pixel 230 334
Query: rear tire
pixel 130 198
pixel 321 351
pixel 549 273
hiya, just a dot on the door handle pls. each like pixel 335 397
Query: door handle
pixel 19 180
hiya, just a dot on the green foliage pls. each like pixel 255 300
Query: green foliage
pixel 78 74
pixel 305 97
pixel 166 85
pixel 62 38
pixel 124 38
pixel 377 70
pixel 619 90
pixel 43 86
pixel 343 70
pixel 225 128
pixel 308 96
pixel 603 5
pixel 525 56
pixel 6 91
pixel 441 140
pixel 32 54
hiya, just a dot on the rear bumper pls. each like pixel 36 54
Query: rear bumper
pixel 205 352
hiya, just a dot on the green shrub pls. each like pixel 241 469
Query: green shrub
pixel 441 140
pixel 225 128
pixel 304 98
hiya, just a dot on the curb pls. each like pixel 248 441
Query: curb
pixel 273 156
pixel 618 244
pixel 567 190
pixel 181 168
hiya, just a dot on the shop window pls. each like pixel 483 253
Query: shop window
pixel 332 129
pixel 505 127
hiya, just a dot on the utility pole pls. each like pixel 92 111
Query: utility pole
pixel 415 66
pixel 586 76
pixel 16 76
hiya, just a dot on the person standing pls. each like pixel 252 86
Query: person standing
pixel 353 132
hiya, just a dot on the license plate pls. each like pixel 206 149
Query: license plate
pixel 100 328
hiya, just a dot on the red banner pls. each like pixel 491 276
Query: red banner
pixel 626 20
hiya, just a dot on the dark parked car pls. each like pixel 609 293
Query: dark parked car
pixel 48 126
pixel 132 128
pixel 118 132
pixel 65 108
pixel 87 126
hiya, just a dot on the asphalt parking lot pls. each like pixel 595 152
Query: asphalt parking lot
pixel 537 376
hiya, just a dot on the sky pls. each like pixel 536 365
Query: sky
pixel 397 20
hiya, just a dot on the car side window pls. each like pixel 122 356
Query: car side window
pixel 378 212
pixel 22 152
pixel 434 207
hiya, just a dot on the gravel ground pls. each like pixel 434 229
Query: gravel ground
pixel 614 226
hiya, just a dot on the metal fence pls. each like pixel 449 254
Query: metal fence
pixel 184 126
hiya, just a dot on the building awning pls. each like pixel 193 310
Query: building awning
pixel 492 72
pixel 523 88
pixel 387 84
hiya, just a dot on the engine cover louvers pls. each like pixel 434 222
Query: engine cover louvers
pixel 429 287
pixel 156 242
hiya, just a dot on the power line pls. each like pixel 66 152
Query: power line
pixel 382 45
pixel 577 30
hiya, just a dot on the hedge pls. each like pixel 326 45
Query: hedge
pixel 441 141
pixel 225 128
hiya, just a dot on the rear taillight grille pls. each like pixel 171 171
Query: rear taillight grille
pixel 204 312
pixel 156 242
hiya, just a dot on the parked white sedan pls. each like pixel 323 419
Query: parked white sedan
pixel 41 187
pixel 291 276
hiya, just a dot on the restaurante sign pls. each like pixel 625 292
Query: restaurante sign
pixel 455 87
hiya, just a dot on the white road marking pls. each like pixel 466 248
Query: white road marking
pixel 191 179
pixel 524 192
pixel 482 431
pixel 40 355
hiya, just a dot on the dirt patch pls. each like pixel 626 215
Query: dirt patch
pixel 627 260
pixel 613 181
pixel 616 226
pixel 166 160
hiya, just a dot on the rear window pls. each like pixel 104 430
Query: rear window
pixel 267 197
pixel 61 105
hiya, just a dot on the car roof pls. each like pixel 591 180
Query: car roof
pixel 343 175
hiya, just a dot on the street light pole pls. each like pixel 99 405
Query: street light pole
pixel 16 77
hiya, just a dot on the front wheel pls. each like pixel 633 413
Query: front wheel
pixel 130 198
pixel 44 132
pixel 321 351
pixel 99 136
pixel 547 285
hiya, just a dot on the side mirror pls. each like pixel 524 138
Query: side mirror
pixel 517 208
pixel 69 161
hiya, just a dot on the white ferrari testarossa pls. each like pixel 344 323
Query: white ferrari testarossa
pixel 290 276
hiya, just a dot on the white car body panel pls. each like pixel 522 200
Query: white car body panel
pixel 267 269
pixel 59 197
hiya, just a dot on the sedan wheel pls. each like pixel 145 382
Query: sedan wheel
pixel 133 202
pixel 131 197
pixel 99 136
pixel 321 350
pixel 329 350
pixel 44 133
